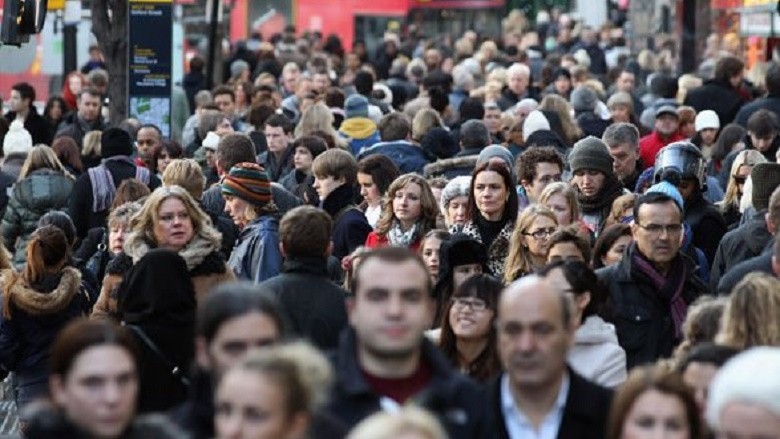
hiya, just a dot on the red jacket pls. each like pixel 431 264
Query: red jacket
pixel 652 143
pixel 376 240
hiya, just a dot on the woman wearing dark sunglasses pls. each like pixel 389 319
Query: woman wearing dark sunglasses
pixel 740 171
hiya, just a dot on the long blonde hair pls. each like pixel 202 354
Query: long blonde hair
pixel 429 209
pixel 752 315
pixel 568 192
pixel 424 121
pixel 42 157
pixel 91 144
pixel 571 130
pixel 519 262
pixel 318 118
pixel 144 221
pixel 749 157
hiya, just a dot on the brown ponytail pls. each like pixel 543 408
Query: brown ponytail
pixel 48 248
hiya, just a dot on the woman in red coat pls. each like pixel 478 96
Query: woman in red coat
pixel 409 212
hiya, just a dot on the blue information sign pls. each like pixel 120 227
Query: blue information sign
pixel 150 47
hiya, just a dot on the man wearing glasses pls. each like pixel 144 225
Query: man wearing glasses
pixel 653 285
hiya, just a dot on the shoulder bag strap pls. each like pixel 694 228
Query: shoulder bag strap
pixel 175 370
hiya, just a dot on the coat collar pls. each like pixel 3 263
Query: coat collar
pixel 40 303
pixel 350 375
pixel 341 197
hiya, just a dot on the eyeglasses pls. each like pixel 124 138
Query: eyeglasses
pixel 657 229
pixel 541 233
pixel 476 305
pixel 739 179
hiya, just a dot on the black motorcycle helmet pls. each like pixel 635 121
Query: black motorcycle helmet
pixel 678 161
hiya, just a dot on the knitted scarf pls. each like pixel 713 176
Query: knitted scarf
pixel 669 288
pixel 603 200
pixel 398 237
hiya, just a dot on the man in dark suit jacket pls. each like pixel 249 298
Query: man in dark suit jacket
pixel 538 395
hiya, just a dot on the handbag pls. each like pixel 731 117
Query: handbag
pixel 175 370
pixel 97 262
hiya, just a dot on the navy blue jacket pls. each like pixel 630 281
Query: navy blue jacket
pixel 407 156
pixel 315 306
pixel 38 314
pixel 350 227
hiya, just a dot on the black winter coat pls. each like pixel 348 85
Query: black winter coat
pixel 591 124
pixel 718 96
pixel 314 306
pixel 80 205
pixel 38 314
pixel 454 399
pixel 759 264
pixel 707 224
pixel 70 127
pixel 157 303
pixel 771 103
pixel 584 416
pixel 644 324
pixel 746 241
pixel 48 423
pixel 350 227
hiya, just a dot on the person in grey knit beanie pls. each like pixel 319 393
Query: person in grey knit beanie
pixel 591 153
pixel 595 180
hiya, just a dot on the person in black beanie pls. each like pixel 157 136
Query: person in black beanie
pixel 94 190
pixel 460 257
pixel 595 181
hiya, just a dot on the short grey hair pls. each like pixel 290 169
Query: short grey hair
pixel 518 68
pixel 203 98
pixel 750 377
pixel 462 77
pixel 620 133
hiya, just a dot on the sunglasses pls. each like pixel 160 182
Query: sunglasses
pixel 739 179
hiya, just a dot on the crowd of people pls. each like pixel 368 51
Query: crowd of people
pixel 534 235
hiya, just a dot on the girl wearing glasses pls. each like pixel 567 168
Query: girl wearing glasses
pixel 468 334
pixel 530 242
pixel 740 171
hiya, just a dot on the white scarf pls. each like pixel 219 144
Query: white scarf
pixel 398 237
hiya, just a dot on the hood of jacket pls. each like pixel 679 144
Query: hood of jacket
pixel 358 127
pixel 439 167
pixel 594 330
pixel 38 303
pixel 203 244
pixel 43 190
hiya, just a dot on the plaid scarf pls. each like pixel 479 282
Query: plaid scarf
pixel 669 288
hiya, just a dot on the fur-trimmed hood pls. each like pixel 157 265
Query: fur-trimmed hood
pixel 37 303
pixel 463 165
pixel 204 243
